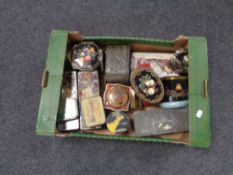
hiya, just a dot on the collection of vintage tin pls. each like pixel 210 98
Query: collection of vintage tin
pixel 119 91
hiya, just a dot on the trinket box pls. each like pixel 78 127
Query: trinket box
pixel 88 85
pixel 147 85
pixel 93 111
pixel 86 56
pixel 117 122
pixel 157 61
pixel 67 126
pixel 117 64
pixel 189 58
pixel 160 121
pixel 117 97
pixel 68 104
pixel 176 92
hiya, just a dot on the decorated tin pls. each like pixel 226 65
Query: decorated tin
pixel 117 97
pixel 147 85
pixel 160 121
pixel 88 84
pixel 117 122
pixel 117 64
pixel 176 88
pixel 67 126
pixel 93 111
pixel 86 56
pixel 179 62
pixel 68 105
pixel 154 60
pixel 176 92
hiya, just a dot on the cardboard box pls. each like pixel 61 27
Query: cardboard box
pixel 199 134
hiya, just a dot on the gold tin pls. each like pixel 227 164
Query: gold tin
pixel 117 97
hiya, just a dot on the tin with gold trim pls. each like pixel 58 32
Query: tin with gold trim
pixel 86 56
pixel 176 88
pixel 117 97
pixel 147 85
pixel 176 92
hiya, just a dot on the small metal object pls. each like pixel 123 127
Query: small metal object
pixel 93 111
pixel 176 92
pixel 117 64
pixel 86 56
pixel 179 62
pixel 88 84
pixel 176 88
pixel 68 105
pixel 67 126
pixel 117 122
pixel 117 97
pixel 160 121
pixel 147 85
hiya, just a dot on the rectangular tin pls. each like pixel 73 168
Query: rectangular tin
pixel 160 121
pixel 117 64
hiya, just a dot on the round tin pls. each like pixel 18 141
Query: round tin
pixel 117 122
pixel 147 85
pixel 175 88
pixel 86 56
pixel 117 97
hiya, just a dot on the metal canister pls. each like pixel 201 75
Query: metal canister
pixel 117 122
pixel 176 92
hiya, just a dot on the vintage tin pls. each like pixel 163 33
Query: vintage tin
pixel 68 105
pixel 154 60
pixel 88 84
pixel 179 62
pixel 176 92
pixel 86 56
pixel 117 122
pixel 67 126
pixel 117 97
pixel 160 121
pixel 93 111
pixel 117 64
pixel 147 85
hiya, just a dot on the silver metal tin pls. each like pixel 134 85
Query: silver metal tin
pixel 117 64
pixel 160 121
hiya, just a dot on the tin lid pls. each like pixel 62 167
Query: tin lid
pixel 86 56
pixel 147 85
pixel 117 122
pixel 117 97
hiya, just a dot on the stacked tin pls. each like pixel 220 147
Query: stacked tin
pixel 109 86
